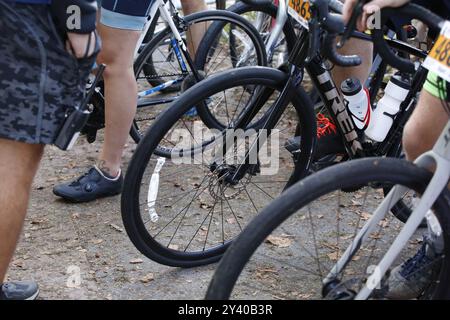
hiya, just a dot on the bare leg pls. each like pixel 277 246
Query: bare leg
pixel 361 48
pixel 120 93
pixel 18 165
pixel 424 127
pixel 196 32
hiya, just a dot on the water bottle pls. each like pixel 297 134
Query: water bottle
pixel 387 108
pixel 358 102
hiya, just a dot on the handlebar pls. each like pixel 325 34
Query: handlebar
pixel 410 11
pixel 334 25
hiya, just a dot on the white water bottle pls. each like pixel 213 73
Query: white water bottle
pixel 358 102
pixel 387 108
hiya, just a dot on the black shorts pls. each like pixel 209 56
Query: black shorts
pixel 39 81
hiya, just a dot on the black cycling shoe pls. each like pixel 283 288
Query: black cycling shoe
pixel 19 290
pixel 90 186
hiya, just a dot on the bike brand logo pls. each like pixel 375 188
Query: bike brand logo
pixel 340 110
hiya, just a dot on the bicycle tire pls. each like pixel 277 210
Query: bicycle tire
pixel 345 175
pixel 221 16
pixel 130 207
pixel 202 54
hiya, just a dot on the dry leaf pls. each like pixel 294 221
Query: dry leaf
pixel 231 220
pixel 383 223
pixel 136 261
pixel 75 216
pixel 173 247
pixel 356 203
pixel 116 227
pixel 365 215
pixel 205 206
pixel 281 242
pixel 265 273
pixel 333 256
pixel 147 278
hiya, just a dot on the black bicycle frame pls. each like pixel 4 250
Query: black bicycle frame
pixel 331 97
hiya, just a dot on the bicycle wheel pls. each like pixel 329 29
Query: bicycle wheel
pixel 241 56
pixel 154 28
pixel 165 58
pixel 203 203
pixel 288 250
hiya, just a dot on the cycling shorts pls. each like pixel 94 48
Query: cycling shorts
pixel 125 14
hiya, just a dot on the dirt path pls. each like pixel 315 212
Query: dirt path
pixel 59 238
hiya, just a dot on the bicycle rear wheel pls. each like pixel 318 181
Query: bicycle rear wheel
pixel 202 201
pixel 290 247
pixel 168 65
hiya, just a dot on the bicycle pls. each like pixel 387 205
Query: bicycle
pixel 343 251
pixel 262 99
pixel 176 66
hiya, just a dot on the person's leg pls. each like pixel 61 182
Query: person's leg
pixel 411 278
pixel 196 32
pixel 364 50
pixel 427 121
pixel 120 93
pixel 424 126
pixel 18 166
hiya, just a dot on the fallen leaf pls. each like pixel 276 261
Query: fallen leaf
pixel 136 261
pixel 97 241
pixel 265 273
pixel 333 256
pixel 383 223
pixel 173 247
pixel 205 206
pixel 231 220
pixel 281 242
pixel 75 216
pixel 356 203
pixel 147 278
pixel 116 227
pixel 365 215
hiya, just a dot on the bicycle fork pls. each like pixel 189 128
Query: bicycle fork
pixel 439 158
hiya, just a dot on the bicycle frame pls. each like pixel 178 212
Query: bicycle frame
pixel 437 159
pixel 333 99
pixel 178 46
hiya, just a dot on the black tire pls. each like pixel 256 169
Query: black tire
pixel 130 202
pixel 345 175
pixel 220 17
pixel 204 48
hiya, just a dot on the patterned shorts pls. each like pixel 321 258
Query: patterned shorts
pixel 39 81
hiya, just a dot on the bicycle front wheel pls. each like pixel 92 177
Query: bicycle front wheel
pixel 184 199
pixel 290 248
